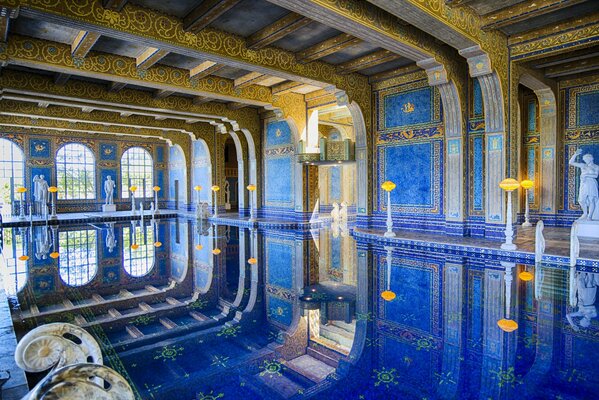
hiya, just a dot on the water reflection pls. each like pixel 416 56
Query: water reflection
pixel 278 314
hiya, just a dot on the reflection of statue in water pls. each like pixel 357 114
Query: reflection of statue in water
pixel 343 212
pixel 42 243
pixel 109 190
pixel 588 192
pixel 586 295
pixel 335 212
pixel 110 238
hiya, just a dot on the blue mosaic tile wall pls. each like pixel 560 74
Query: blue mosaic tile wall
pixel 409 150
pixel 279 163
pixel 177 171
pixel 201 170
pixel 279 255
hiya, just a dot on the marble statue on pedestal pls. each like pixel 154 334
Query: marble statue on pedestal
pixel 227 195
pixel 36 199
pixel 43 195
pixel 588 194
pixel 586 287
pixel 109 186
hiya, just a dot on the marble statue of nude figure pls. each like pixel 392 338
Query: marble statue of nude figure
pixel 588 192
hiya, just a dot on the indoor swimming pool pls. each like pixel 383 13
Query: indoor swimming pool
pixel 185 309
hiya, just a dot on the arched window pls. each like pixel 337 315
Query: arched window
pixel 78 262
pixel 138 249
pixel 12 165
pixel 15 273
pixel 137 169
pixel 75 172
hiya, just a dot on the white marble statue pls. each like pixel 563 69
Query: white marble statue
pixel 335 212
pixel 36 199
pixel 109 185
pixel 588 192
pixel 586 287
pixel 343 213
pixel 227 191
pixel 43 195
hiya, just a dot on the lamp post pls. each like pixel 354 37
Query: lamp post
pixel 388 186
pixel 388 294
pixel 198 188
pixel 132 189
pixel 527 184
pixel 252 189
pixel 156 189
pixel 509 185
pixel 215 189
pixel 53 190
pixel 22 191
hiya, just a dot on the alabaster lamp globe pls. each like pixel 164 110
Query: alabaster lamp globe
pixel 54 255
pixel 215 188
pixel 133 188
pixel 216 251
pixel 23 258
pixel 527 184
pixel 509 184
pixel 52 189
pixel 507 325
pixel 156 188
pixel 199 247
pixel 251 188
pixel 157 244
pixel 134 246
pixel 21 190
pixel 252 261
pixel 197 188
pixel 388 186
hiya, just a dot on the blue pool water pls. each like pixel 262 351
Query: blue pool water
pixel 180 312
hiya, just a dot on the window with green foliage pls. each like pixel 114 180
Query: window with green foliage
pixel 78 263
pixel 75 172
pixel 137 170
pixel 12 167
pixel 138 249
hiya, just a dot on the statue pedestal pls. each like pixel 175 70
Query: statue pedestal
pixel 588 229
pixel 108 208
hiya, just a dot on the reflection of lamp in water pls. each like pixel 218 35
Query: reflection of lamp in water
pixel 197 188
pixel 24 257
pixel 388 294
pixel 506 324
pixel 252 189
pixel 527 184
pixel 53 190
pixel 216 251
pixel 525 276
pixel 133 233
pixel 252 261
pixel 215 189
pixel 157 242
pixel 388 186
pixel 509 185
pixel 55 254
pixel 22 191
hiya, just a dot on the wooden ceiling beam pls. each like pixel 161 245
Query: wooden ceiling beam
pixel 571 68
pixel 61 79
pixel 204 14
pixel 523 11
pixel 116 86
pixel 367 61
pixel 204 69
pixel 236 106
pixel 453 3
pixel 327 47
pixel 253 78
pixel 116 5
pixel 83 43
pixel 200 100
pixel 286 87
pixel 150 57
pixel 277 30
pixel 163 93
pixel 565 58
